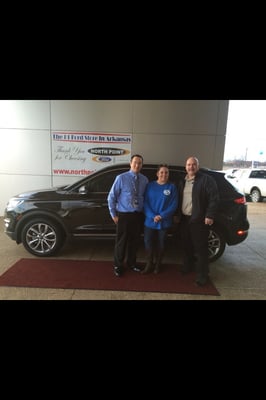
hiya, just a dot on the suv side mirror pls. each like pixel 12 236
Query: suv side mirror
pixel 83 190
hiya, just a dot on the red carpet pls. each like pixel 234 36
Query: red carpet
pixel 98 275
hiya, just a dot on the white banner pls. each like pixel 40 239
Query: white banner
pixel 81 153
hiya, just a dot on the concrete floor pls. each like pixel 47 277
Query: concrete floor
pixel 240 274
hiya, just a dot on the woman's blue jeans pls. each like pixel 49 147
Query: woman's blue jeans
pixel 154 239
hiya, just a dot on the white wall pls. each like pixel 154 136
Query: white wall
pixel 162 131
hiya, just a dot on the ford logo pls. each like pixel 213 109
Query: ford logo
pixel 102 159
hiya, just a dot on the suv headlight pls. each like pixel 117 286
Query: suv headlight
pixel 13 203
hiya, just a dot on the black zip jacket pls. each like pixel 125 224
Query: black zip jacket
pixel 205 197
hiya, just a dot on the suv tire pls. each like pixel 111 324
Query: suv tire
pixel 42 237
pixel 255 196
pixel 216 244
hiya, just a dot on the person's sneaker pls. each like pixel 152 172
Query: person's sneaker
pixel 136 268
pixel 118 271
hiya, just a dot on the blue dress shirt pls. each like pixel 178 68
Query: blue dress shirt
pixel 126 195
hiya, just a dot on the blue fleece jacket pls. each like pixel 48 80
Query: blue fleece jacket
pixel 160 200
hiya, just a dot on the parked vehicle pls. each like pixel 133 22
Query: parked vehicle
pixel 230 173
pixel 251 182
pixel 43 220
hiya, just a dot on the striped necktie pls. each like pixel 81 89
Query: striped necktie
pixel 136 184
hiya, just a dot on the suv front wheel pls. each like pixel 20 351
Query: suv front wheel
pixel 42 237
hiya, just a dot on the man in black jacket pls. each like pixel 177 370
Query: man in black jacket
pixel 198 204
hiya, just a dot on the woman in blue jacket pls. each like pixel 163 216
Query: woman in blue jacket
pixel 160 204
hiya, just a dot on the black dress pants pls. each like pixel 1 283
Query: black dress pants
pixel 195 246
pixel 128 233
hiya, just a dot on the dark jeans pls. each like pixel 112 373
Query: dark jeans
pixel 154 239
pixel 194 236
pixel 128 232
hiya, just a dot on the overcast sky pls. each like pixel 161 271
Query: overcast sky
pixel 246 130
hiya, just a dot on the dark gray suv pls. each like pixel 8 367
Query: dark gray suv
pixel 43 220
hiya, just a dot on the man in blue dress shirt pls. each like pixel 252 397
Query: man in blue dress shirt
pixel 125 202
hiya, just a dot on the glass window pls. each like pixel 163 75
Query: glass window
pixel 259 174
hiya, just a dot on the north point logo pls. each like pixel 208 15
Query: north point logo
pixel 108 151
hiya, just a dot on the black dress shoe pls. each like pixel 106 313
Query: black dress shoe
pixel 187 267
pixel 185 270
pixel 118 271
pixel 136 268
pixel 201 281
